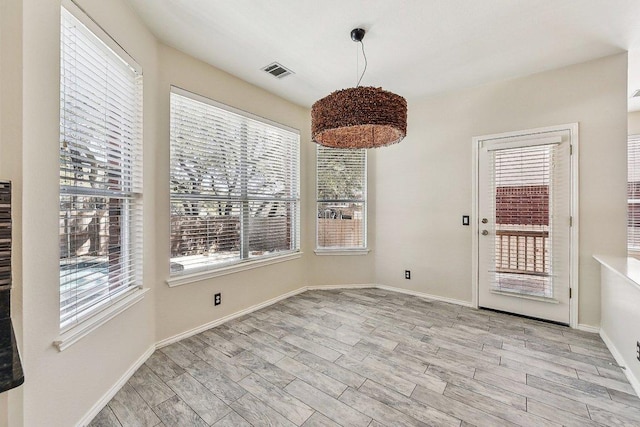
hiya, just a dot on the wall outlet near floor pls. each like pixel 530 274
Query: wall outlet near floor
pixel 638 350
pixel 407 274
pixel 217 299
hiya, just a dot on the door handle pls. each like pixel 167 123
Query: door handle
pixel 485 233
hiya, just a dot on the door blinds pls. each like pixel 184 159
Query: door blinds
pixel 633 195
pixel 100 173
pixel 234 186
pixel 529 193
pixel 341 198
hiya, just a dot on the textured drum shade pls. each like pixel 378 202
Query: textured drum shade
pixel 360 117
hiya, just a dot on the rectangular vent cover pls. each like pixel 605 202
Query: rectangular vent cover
pixel 277 70
pixel 636 94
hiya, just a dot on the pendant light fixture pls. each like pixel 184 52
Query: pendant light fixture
pixel 359 117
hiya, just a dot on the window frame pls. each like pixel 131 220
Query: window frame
pixel 130 231
pixel 234 265
pixel 634 138
pixel 344 250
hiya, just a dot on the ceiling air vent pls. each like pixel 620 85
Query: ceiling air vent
pixel 277 70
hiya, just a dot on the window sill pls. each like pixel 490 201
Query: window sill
pixel 340 251
pixel 187 278
pixel 84 328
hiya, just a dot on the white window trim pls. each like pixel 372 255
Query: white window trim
pixel 346 251
pixel 341 251
pixel 208 273
pixel 132 296
pixel 633 252
pixel 99 32
pixel 197 97
pixel 99 318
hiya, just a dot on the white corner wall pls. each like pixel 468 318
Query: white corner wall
pixel 419 228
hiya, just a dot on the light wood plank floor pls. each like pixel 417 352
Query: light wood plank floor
pixel 370 357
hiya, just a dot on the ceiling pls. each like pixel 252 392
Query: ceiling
pixel 414 47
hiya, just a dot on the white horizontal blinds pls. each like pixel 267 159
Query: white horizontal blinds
pixel 527 186
pixel 633 195
pixel 234 186
pixel 341 198
pixel 100 173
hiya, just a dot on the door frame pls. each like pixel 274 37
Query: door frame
pixel 574 234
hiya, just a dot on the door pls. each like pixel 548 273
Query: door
pixel 524 223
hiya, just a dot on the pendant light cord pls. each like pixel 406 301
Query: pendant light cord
pixel 365 64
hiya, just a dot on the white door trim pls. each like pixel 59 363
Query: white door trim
pixel 477 143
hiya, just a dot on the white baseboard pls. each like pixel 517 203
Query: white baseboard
pixel 165 342
pixel 427 296
pixel 635 382
pixel 330 287
pixel 115 388
pixel 588 328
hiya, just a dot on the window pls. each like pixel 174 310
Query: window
pixel 100 171
pixel 633 195
pixel 234 186
pixel 341 197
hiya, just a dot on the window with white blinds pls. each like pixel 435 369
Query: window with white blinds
pixel 341 198
pixel 235 183
pixel 633 195
pixel 529 191
pixel 100 171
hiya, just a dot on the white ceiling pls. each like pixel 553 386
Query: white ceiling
pixel 414 47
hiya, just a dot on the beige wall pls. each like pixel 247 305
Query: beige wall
pixel 416 228
pixel 419 228
pixel 634 123
pixel 11 168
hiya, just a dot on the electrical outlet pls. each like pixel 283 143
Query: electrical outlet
pixel 638 350
pixel 407 274
pixel 217 299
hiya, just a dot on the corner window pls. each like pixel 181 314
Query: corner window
pixel 341 198
pixel 100 171
pixel 234 186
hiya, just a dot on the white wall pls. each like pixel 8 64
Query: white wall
pixel 61 387
pixel 620 314
pixel 419 227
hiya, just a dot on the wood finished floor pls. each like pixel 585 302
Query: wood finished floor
pixel 369 357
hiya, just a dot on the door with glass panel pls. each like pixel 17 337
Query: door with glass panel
pixel 524 224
